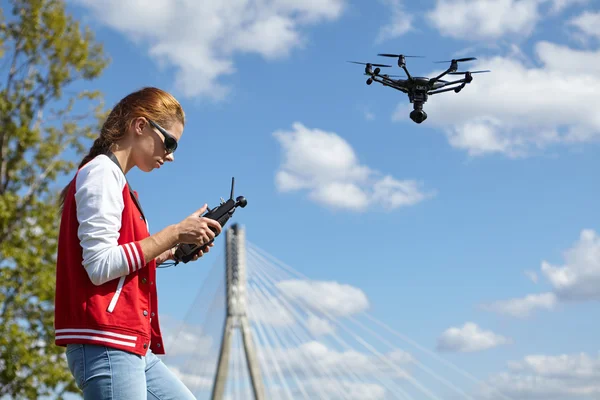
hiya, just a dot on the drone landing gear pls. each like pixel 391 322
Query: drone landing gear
pixel 418 115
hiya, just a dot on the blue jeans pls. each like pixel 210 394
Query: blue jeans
pixel 104 373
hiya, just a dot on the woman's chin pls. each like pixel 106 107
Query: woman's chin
pixel 148 168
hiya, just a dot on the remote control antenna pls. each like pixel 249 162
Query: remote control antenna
pixel 232 183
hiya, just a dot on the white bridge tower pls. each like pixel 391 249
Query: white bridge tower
pixel 236 317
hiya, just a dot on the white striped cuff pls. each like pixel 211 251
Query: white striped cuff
pixel 133 255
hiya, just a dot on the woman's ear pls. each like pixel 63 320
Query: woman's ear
pixel 138 125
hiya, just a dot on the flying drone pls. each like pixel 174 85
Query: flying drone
pixel 419 88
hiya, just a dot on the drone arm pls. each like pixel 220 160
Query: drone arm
pixel 400 88
pixel 389 82
pixel 384 79
pixel 442 74
pixel 406 72
pixel 441 90
pixel 455 88
pixel 444 84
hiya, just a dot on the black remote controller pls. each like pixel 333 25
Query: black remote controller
pixel 185 251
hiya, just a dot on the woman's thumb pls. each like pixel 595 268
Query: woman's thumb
pixel 201 210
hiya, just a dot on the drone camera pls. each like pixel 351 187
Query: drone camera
pixel 418 116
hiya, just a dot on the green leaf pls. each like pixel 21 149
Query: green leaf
pixel 44 53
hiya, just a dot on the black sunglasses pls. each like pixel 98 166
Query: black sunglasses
pixel 170 141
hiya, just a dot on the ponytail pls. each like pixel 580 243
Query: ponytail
pixel 100 146
pixel 149 102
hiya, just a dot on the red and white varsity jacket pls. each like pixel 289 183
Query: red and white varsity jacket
pixel 105 289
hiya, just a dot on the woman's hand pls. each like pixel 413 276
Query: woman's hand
pixel 164 256
pixel 170 254
pixel 198 230
pixel 194 230
pixel 206 249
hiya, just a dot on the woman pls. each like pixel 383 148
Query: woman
pixel 106 299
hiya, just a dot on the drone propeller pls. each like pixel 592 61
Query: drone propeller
pixel 386 75
pixel 457 60
pixel 374 65
pixel 468 72
pixel 397 55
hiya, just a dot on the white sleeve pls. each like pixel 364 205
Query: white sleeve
pixel 99 199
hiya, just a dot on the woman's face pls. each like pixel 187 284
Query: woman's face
pixel 150 152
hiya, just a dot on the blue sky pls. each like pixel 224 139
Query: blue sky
pixel 498 181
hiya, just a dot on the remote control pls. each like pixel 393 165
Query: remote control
pixel 185 251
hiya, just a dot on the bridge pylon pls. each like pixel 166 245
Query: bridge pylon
pixel 236 315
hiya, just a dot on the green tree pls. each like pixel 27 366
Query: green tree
pixel 45 59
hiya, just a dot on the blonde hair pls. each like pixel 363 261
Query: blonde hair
pixel 149 102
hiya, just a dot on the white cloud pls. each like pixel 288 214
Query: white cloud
pixel 333 298
pixel 190 339
pixel 325 165
pixel 568 62
pixel 584 28
pixel 194 381
pixel 314 360
pixel 190 349
pixel 544 377
pixel 489 20
pixel 480 136
pixel 588 23
pixel 556 6
pixel 400 22
pixel 484 19
pixel 326 388
pixel 318 367
pixel 518 108
pixel 578 279
pixel 200 38
pixel 469 338
pixel 185 338
pixel 319 326
pixel 293 303
pixel 268 309
pixel 312 368
pixel 523 307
